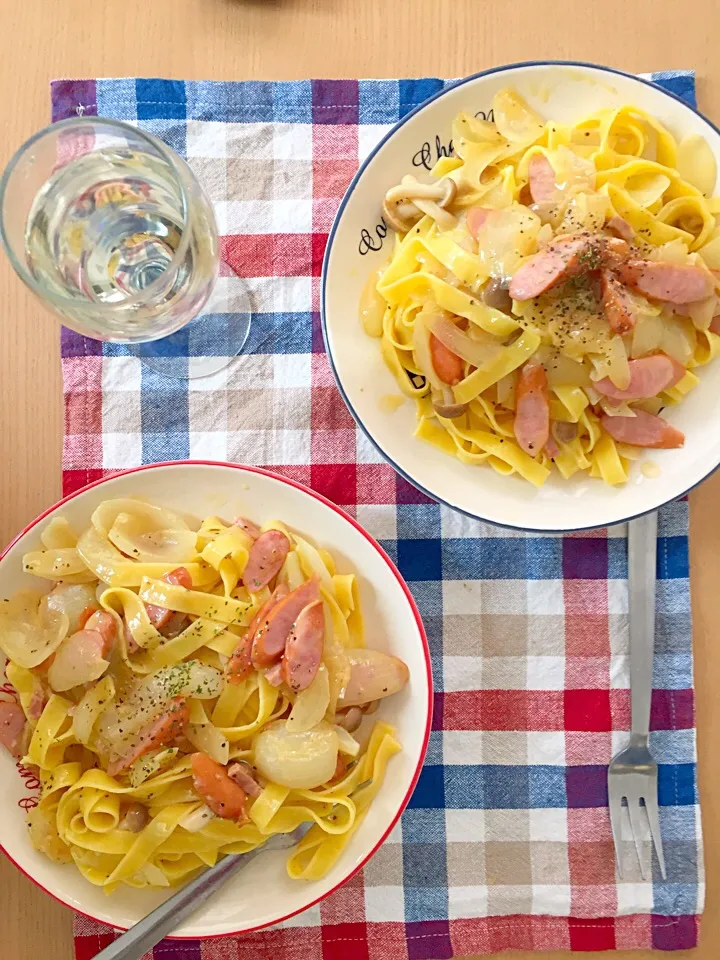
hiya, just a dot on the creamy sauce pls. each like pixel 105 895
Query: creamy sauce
pixel 650 469
pixel 372 305
pixel 390 402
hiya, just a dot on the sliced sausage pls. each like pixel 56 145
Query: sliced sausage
pixel 267 555
pixel 159 616
pixel 670 282
pixel 541 176
pixel 221 793
pixel 274 674
pixel 86 614
pixel 551 447
pixel 303 650
pixel 621 228
pixel 243 774
pixel 272 632
pixel 12 724
pixel 250 528
pixel 340 768
pixel 715 325
pixel 159 732
pixel 476 218
pixel 643 430
pixel 449 367
pixel 37 702
pixel 80 658
pixel 649 376
pixel 618 305
pixel 565 257
pixel 532 409
pixel 104 624
pixel 240 665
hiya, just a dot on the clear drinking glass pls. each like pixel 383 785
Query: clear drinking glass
pixel 111 230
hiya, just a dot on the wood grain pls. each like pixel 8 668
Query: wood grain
pixel 282 39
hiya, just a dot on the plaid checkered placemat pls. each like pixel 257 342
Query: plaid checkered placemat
pixel 506 842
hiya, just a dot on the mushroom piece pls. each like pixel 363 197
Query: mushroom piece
pixel 563 431
pixel 135 818
pixel 497 296
pixel 405 204
pixel 445 405
pixel 350 719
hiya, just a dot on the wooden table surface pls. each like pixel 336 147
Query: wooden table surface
pixel 287 39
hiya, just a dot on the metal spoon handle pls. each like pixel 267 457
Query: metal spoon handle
pixel 144 935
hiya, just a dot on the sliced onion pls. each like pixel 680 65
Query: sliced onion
pixel 678 338
pixel 196 819
pixel 291 572
pixel 372 305
pixel 157 518
pixel 151 875
pixel 647 188
pixel 58 533
pixel 617 363
pixel 573 174
pixel 131 534
pixel 44 835
pixel 72 599
pixel 208 739
pixel 188 679
pixel 151 696
pixel 585 211
pixel 514 118
pixel 702 312
pixel 29 632
pixel 506 237
pixel 563 371
pixel 97 699
pixel 616 409
pixel 300 761
pixel 373 675
pixel 647 336
pixel 150 764
pixel 77 660
pixel 311 704
pixel 347 743
pixel 674 251
pixel 506 391
pixel 696 163
pixel 479 351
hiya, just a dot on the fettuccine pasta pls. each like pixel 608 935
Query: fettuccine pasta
pixel 186 691
pixel 553 290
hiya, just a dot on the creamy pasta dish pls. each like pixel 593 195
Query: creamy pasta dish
pixel 553 290
pixel 184 693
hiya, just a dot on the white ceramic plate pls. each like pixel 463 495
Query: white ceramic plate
pixel 565 92
pixel 263 894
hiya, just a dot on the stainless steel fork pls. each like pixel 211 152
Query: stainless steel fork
pixel 141 938
pixel 633 773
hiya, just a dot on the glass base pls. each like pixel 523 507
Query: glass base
pixel 205 345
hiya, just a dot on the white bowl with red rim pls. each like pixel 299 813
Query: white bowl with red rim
pixel 359 243
pixel 263 894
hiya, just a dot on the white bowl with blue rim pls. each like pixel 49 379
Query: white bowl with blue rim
pixel 359 243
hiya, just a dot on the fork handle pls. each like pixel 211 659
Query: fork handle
pixel 642 573
pixel 139 939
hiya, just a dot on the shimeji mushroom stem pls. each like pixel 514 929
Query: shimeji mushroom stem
pixel 405 204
